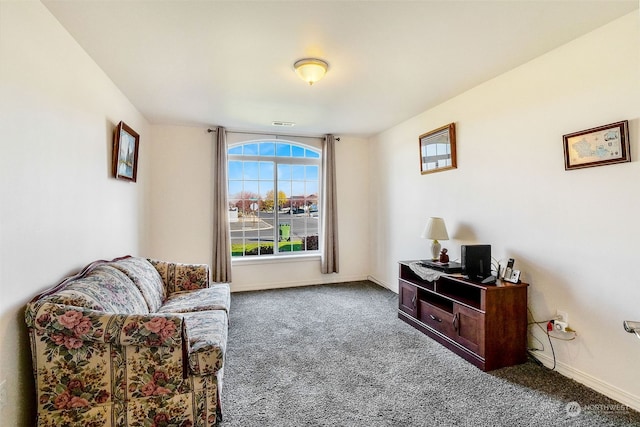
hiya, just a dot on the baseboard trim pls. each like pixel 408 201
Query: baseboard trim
pixel 379 282
pixel 296 284
pixel 592 382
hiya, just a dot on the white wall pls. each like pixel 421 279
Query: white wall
pixel 180 226
pixel 574 234
pixel 180 201
pixel 60 209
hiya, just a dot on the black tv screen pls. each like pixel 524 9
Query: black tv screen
pixel 476 261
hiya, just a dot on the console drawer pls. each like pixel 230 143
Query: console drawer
pixel 436 318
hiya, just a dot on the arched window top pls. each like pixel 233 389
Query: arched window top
pixel 282 149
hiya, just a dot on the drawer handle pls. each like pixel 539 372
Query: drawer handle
pixel 455 322
pixel 413 300
pixel 435 318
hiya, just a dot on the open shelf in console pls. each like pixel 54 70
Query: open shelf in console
pixel 406 273
pixel 461 291
pixel 436 300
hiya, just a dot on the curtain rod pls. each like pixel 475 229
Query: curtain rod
pixel 275 134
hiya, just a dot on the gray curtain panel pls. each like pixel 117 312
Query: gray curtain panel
pixel 329 263
pixel 221 264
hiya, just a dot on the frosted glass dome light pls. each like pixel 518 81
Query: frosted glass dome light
pixel 311 69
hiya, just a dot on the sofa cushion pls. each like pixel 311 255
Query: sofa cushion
pixel 207 332
pixel 105 289
pixel 146 278
pixel 216 297
pixel 182 277
pixel 77 297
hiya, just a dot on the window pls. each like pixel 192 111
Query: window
pixel 274 189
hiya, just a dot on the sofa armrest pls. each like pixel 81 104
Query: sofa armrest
pixel 179 277
pixel 208 332
pixel 72 326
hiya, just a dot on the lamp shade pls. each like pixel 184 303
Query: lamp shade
pixel 435 229
pixel 311 69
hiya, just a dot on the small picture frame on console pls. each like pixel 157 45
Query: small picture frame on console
pixel 603 145
pixel 125 152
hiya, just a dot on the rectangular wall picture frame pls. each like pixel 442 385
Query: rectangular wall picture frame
pixel 125 152
pixel 603 145
pixel 438 149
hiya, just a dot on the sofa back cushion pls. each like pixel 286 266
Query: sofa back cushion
pixel 104 288
pixel 146 278
pixel 180 277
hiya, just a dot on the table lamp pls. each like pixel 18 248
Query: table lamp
pixel 435 230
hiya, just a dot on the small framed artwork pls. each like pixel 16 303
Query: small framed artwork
pixel 599 146
pixel 125 152
pixel 438 149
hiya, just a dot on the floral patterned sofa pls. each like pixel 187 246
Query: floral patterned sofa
pixel 130 342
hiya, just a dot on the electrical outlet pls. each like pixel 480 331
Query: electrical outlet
pixel 560 326
pixel 562 316
pixel 3 394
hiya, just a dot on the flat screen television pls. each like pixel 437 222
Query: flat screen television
pixel 476 261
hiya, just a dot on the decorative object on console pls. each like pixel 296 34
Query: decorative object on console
pixel 125 152
pixel 311 69
pixel 444 258
pixel 435 230
pixel 599 146
pixel 438 149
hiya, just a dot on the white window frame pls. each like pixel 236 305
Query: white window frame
pixel 312 143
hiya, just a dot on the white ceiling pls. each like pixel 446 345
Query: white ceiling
pixel 230 63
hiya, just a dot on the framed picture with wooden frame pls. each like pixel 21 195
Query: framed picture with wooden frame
pixel 125 152
pixel 599 146
pixel 438 149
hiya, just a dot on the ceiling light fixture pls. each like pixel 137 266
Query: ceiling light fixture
pixel 311 69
